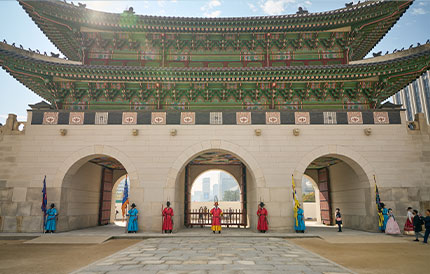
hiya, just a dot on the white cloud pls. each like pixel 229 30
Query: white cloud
pixel 214 13
pixel 419 11
pixel 209 8
pixel 252 7
pixel 275 7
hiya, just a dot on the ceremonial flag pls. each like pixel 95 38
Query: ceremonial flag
pixel 296 202
pixel 44 200
pixel 124 198
pixel 378 205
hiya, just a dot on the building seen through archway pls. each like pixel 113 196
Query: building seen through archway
pixel 211 186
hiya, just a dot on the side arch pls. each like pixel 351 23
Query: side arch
pixel 348 184
pixel 79 182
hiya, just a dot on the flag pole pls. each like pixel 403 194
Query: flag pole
pixel 44 204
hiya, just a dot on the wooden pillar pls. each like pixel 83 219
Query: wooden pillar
pixel 187 198
pixel 243 195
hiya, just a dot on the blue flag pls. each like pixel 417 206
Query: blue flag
pixel 44 200
pixel 124 198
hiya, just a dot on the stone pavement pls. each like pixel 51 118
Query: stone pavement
pixel 214 254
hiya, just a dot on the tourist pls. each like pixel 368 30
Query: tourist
pixel 418 222
pixel 132 221
pixel 339 219
pixel 409 226
pixel 167 218
pixel 51 219
pixel 216 213
pixel 392 226
pixel 385 215
pixel 262 218
pixel 427 225
pixel 300 221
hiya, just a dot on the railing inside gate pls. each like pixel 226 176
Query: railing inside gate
pixel 234 217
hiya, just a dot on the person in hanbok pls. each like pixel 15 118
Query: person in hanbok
pixel 385 215
pixel 299 224
pixel 392 226
pixel 216 214
pixel 262 218
pixel 51 219
pixel 167 218
pixel 132 226
pixel 409 226
pixel 339 219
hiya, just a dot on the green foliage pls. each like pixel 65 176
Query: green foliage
pixel 231 196
pixel 310 197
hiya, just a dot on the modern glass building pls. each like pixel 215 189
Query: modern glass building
pixel 415 97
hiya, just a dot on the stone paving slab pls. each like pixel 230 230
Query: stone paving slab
pixel 214 255
pixel 69 239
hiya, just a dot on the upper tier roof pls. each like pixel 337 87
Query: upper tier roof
pixel 366 23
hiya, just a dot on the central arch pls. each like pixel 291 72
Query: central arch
pixel 175 186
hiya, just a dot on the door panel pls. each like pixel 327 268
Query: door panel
pixel 105 196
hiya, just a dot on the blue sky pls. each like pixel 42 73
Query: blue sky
pixel 16 26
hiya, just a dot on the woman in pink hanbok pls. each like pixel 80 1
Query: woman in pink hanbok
pixel 392 226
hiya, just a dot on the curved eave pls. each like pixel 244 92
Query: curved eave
pixel 61 23
pixel 397 71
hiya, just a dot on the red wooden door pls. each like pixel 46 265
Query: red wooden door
pixel 105 196
pixel 324 187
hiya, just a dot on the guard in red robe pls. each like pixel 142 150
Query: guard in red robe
pixel 262 218
pixel 167 219
pixel 216 213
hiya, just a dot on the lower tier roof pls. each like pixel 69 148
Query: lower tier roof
pixel 65 83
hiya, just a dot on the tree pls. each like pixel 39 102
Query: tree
pixel 310 197
pixel 231 195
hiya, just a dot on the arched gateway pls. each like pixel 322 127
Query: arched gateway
pixel 344 180
pixel 222 155
pixel 87 185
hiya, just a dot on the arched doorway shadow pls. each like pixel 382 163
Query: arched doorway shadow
pixel 86 192
pixel 344 181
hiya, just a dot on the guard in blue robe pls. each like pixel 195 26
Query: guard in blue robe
pixel 299 226
pixel 132 221
pixel 385 214
pixel 51 219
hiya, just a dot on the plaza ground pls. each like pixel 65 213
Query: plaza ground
pixel 234 250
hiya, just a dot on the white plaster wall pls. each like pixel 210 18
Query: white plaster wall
pixel 155 160
pixel 310 210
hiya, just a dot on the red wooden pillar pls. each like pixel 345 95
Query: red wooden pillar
pixel 105 196
pixel 325 203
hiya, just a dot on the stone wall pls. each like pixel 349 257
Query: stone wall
pixel 155 161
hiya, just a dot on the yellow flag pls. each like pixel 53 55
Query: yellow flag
pixel 296 202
